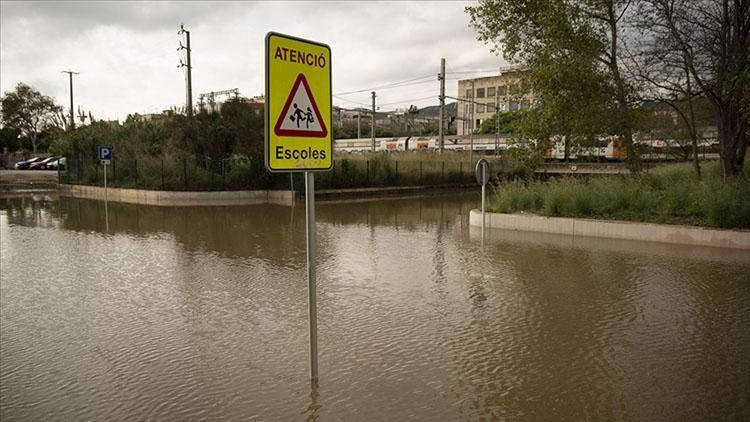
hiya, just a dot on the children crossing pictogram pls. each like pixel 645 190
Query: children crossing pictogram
pixel 300 116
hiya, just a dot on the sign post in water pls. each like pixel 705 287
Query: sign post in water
pixel 105 156
pixel 298 117
pixel 482 172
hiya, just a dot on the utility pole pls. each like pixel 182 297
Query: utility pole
pixel 70 76
pixel 359 125
pixel 471 124
pixel 188 65
pixel 441 77
pixel 372 120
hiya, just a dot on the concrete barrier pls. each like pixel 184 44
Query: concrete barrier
pixel 648 232
pixel 173 198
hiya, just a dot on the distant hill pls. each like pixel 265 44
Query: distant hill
pixel 433 112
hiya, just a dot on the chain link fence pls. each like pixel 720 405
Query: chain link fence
pixel 231 174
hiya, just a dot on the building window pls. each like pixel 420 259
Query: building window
pixel 480 108
pixel 513 106
pixel 491 92
pixel 491 107
pixel 525 105
pixel 468 93
pixel 480 92
pixel 502 90
pixel 513 89
pixel 501 106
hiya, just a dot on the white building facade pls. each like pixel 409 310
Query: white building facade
pixel 478 98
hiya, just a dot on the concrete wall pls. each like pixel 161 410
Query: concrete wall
pixel 648 232
pixel 165 198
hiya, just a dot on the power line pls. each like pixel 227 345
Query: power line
pixel 350 101
pixel 464 100
pixel 421 93
pixel 472 71
pixel 403 101
pixel 390 85
pixel 409 100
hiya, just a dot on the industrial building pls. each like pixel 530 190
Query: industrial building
pixel 478 98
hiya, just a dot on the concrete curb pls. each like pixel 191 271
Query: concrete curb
pixel 192 198
pixel 174 198
pixel 648 232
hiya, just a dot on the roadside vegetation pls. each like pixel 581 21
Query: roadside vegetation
pixel 593 65
pixel 669 194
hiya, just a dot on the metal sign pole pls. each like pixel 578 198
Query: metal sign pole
pixel 484 176
pixel 312 300
pixel 106 197
pixel 300 141
pixel 480 171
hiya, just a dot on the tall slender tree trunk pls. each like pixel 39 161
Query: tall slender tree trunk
pixel 696 159
pixel 633 160
pixel 731 139
pixel 626 122
pixel 691 124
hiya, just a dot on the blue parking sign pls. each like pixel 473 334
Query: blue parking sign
pixel 105 154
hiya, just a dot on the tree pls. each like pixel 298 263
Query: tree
pixel 565 43
pixel 27 110
pixel 9 139
pixel 349 131
pixel 711 41
pixel 508 122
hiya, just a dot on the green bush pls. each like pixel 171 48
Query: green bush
pixel 670 194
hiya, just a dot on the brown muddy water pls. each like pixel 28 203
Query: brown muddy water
pixel 200 313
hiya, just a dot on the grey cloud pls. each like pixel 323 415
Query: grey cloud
pixel 373 44
pixel 137 16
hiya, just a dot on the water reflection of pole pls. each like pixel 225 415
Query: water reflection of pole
pixel 312 300
pixel 291 184
pixel 314 406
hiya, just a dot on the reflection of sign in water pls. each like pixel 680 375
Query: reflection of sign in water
pixel 300 116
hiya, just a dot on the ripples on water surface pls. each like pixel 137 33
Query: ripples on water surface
pixel 190 313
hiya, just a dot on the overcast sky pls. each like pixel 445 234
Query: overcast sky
pixel 126 52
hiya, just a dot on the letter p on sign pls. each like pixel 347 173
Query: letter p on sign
pixel 105 154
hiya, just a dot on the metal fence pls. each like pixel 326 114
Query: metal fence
pixel 227 174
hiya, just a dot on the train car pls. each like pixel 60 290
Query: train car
pixel 487 143
pixel 387 144
pixel 352 145
pixel 365 144
pixel 422 143
pixel 393 144
pixel 479 142
pixel 606 148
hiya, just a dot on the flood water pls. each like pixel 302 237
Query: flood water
pixel 201 313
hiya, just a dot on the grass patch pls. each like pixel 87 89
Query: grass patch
pixel 669 194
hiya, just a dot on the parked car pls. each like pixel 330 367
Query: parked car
pixel 24 165
pixel 57 164
pixel 42 165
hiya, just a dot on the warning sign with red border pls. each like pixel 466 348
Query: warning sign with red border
pixel 300 115
pixel 298 105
